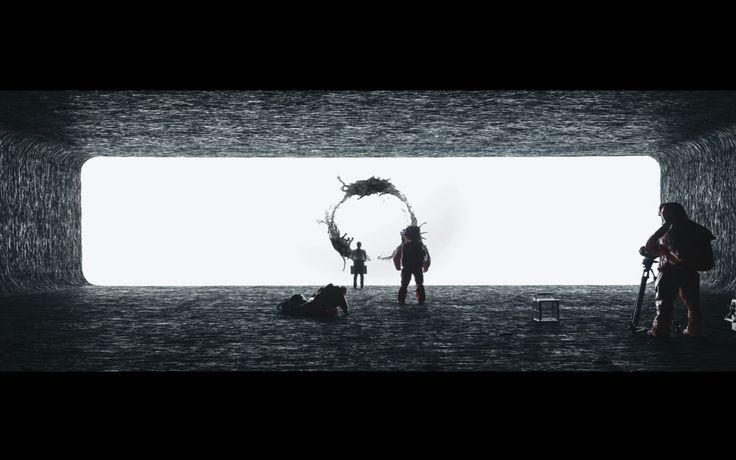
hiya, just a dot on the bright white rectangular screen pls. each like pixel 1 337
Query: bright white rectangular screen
pixel 255 221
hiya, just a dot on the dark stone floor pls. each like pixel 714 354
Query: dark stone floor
pixel 460 328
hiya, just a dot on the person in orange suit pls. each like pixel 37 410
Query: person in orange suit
pixel 684 249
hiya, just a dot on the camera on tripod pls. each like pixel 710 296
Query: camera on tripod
pixel 647 262
pixel 648 258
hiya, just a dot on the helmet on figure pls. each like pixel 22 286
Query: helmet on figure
pixel 413 232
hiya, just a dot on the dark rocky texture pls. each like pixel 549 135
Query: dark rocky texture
pixel 40 212
pixel 312 123
pixel 700 174
pixel 460 328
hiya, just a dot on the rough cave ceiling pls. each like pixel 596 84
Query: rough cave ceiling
pixel 403 123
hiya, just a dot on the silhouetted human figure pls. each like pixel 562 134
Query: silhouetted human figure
pixel 684 248
pixel 324 302
pixel 359 258
pixel 412 258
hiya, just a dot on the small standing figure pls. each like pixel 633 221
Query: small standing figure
pixel 359 258
pixel 412 258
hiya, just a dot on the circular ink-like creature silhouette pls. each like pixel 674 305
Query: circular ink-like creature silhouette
pixel 361 188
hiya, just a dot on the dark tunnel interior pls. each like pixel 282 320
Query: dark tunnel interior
pixel 46 136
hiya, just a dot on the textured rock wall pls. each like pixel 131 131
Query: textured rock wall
pixel 374 123
pixel 40 212
pixel 700 174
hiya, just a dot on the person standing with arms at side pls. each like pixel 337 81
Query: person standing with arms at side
pixel 359 258
pixel 412 258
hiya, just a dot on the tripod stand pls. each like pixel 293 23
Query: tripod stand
pixel 647 263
